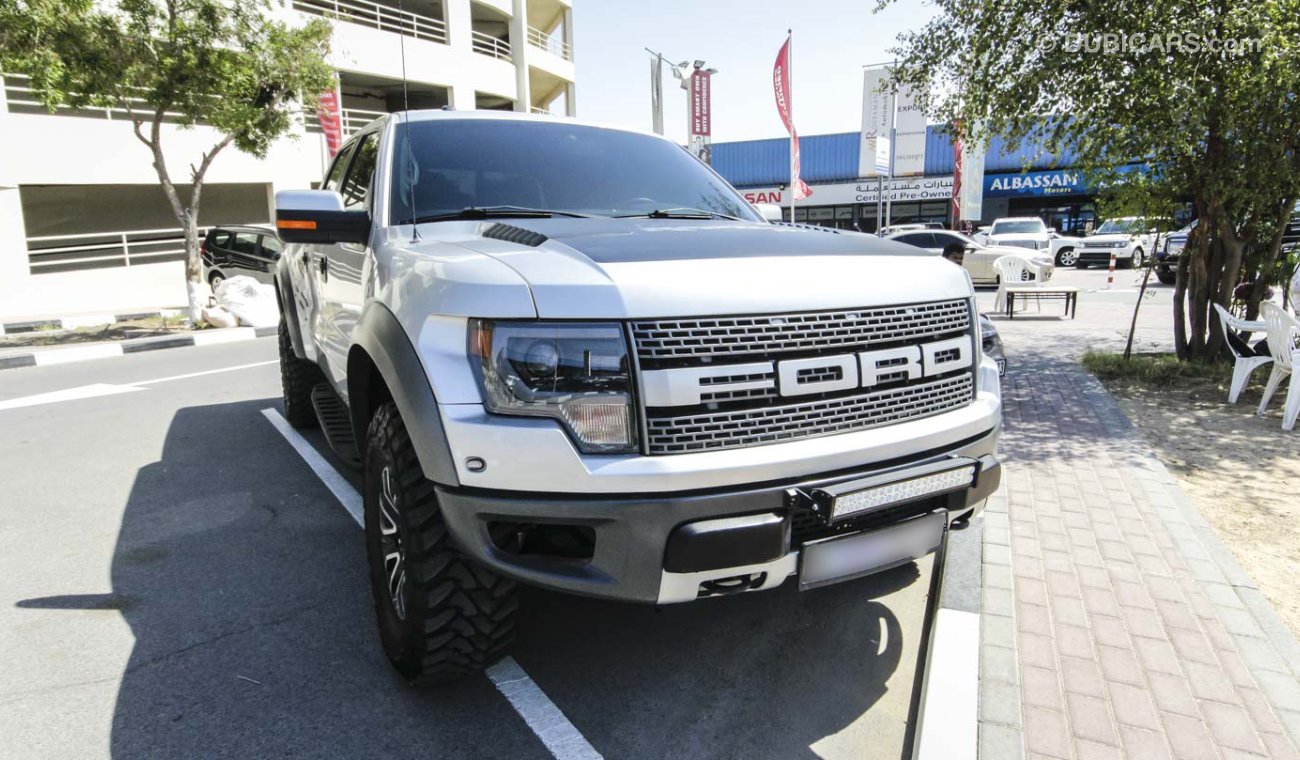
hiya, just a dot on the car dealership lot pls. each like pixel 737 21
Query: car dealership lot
pixel 180 583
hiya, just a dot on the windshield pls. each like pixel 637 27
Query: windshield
pixel 1031 226
pixel 1119 227
pixel 446 166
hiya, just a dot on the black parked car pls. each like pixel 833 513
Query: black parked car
pixel 232 250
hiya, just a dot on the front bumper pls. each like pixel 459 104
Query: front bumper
pixel 1094 256
pixel 638 554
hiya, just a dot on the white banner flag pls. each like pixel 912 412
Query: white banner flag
pixel 873 158
pixel 971 195
pixel 909 137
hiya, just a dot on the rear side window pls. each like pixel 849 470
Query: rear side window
pixel 271 245
pixel 221 239
pixel 919 239
pixel 361 172
pixel 245 242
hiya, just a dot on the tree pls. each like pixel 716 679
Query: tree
pixel 1205 94
pixel 227 65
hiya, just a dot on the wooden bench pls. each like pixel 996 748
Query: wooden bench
pixel 1069 295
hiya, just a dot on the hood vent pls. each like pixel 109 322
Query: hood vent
pixel 513 234
pixel 802 226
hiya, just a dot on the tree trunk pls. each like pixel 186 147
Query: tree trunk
pixel 1146 277
pixel 195 290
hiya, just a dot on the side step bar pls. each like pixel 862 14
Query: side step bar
pixel 336 424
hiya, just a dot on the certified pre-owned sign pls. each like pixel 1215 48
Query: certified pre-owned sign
pixel 688 386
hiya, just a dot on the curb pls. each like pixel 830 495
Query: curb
pixel 82 320
pixel 133 346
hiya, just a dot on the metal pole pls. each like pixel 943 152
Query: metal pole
pixel 789 104
pixel 893 146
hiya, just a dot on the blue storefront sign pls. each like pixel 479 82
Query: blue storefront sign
pixel 1039 184
pixel 1034 184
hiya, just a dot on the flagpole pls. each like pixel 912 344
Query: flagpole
pixel 789 99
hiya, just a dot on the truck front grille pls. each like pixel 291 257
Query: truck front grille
pixel 752 427
pixel 779 333
pixel 730 416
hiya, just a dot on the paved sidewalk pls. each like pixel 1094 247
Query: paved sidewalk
pixel 1115 622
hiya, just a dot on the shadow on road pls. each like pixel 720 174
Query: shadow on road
pixel 753 676
pixel 243 584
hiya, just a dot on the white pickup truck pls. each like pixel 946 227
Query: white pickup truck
pixel 574 357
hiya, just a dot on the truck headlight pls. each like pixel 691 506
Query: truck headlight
pixel 577 373
pixel 1042 244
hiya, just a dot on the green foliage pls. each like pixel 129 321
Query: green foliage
pixel 226 64
pixel 1219 128
pixel 1158 370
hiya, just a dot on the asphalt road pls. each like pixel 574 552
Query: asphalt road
pixel 178 583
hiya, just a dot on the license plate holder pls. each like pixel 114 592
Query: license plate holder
pixel 841 558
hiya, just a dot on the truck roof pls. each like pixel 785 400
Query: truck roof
pixel 439 114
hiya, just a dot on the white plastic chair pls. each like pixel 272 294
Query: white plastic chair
pixel 1013 270
pixel 1246 364
pixel 1282 330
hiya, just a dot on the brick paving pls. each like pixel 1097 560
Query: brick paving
pixel 1115 624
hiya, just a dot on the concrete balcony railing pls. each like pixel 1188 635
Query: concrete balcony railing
pixel 486 44
pixel 356 118
pixel 377 16
pixel 97 250
pixel 540 111
pixel 551 43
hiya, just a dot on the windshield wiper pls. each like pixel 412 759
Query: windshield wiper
pixel 492 212
pixel 680 213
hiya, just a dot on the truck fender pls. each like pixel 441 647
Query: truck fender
pixel 380 342
pixel 288 306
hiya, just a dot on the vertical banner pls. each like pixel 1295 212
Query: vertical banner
pixel 781 89
pixel 971 195
pixel 657 94
pixel 701 114
pixel 331 120
pixel 873 158
pixel 954 218
pixel 909 136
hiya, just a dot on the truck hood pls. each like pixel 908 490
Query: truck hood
pixel 649 268
pixel 1118 237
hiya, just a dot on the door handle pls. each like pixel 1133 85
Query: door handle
pixel 324 268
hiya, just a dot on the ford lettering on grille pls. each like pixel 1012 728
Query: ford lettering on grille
pixel 729 382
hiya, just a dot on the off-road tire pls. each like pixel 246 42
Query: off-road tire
pixel 1169 278
pixel 456 617
pixel 297 378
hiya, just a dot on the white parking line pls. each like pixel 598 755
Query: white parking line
pixel 68 394
pixel 540 713
pixel 546 720
pixel 96 390
pixel 204 372
pixel 336 483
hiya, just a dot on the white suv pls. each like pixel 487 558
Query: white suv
pixel 1129 238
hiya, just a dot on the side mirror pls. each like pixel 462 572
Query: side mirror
pixel 317 216
pixel 1051 230
pixel 769 211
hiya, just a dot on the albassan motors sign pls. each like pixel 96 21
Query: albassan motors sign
pixel 866 191
pixel 1056 182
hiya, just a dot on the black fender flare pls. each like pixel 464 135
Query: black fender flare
pixel 380 339
pixel 289 305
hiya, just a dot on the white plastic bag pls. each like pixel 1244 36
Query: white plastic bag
pixel 218 316
pixel 251 302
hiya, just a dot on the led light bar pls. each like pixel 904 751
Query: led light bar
pixel 867 499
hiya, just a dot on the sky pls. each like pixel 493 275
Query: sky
pixel 833 40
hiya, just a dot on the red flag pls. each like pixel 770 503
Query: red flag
pixel 781 88
pixel 331 120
